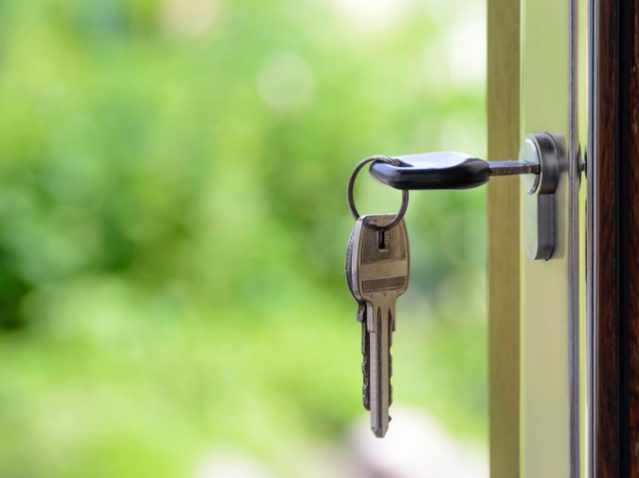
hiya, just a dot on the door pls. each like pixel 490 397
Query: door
pixel 536 307
pixel 564 351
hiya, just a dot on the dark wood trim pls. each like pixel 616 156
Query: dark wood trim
pixel 630 230
pixel 602 281
pixel 614 232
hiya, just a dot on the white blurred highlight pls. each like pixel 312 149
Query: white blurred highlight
pixel 416 446
pixel 371 13
pixel 467 51
pixel 188 18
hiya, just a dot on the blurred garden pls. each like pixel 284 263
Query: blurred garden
pixel 173 228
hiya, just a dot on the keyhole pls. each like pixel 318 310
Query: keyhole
pixel 382 242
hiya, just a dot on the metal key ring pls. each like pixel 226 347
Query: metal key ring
pixel 351 184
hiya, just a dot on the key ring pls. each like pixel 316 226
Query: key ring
pixel 351 184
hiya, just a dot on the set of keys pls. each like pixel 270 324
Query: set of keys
pixel 377 266
pixel 377 257
pixel 377 274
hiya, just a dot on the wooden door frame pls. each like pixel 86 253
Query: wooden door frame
pixel 503 98
pixel 517 426
pixel 613 252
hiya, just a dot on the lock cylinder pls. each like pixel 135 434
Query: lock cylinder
pixel 540 160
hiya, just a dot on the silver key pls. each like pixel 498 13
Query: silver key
pixel 361 317
pixel 379 266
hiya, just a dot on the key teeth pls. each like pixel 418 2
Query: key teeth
pixel 365 387
pixel 365 369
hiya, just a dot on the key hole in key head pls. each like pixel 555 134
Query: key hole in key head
pixel 382 240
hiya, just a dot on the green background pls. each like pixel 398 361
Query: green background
pixel 173 227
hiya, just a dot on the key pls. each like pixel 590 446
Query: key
pixel 361 317
pixel 445 170
pixel 379 266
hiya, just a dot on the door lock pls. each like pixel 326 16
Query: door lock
pixel 547 151
pixel 541 159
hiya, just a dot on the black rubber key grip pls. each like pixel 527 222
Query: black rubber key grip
pixel 441 170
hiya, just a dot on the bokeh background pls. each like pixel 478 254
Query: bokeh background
pixel 173 228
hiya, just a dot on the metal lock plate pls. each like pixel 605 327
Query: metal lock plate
pixel 546 150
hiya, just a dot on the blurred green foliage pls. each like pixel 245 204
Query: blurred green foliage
pixel 173 225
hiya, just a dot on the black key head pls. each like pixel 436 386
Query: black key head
pixel 442 170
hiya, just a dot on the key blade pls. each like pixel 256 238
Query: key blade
pixel 352 279
pixel 379 340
